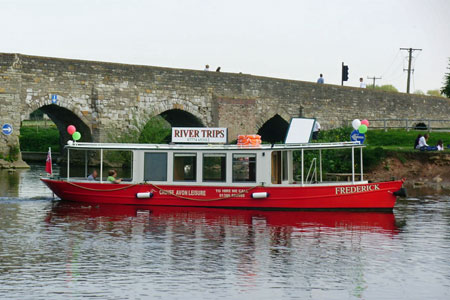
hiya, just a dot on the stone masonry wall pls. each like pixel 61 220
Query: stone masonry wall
pixel 109 95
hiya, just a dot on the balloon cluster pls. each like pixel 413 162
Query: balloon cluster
pixel 73 132
pixel 361 126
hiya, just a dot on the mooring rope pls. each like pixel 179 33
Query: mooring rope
pixel 101 190
pixel 163 190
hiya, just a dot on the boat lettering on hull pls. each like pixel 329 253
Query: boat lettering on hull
pixel 357 189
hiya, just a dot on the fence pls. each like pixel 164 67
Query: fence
pixel 409 124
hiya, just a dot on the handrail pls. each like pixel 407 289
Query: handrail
pixel 314 173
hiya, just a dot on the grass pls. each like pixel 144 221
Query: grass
pixel 399 139
pixel 396 139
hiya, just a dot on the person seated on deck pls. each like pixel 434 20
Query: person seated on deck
pixel 112 174
pixel 93 175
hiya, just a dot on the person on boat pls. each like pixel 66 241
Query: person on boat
pixel 93 175
pixel 112 174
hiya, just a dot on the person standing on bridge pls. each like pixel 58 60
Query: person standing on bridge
pixel 362 84
pixel 316 130
pixel 320 80
pixel 206 68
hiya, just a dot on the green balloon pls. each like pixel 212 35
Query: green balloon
pixel 362 128
pixel 76 136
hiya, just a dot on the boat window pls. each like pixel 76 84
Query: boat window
pixel 244 167
pixel 285 165
pixel 214 167
pixel 155 166
pixel 124 160
pixel 184 166
pixel 276 167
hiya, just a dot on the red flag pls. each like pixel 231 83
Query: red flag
pixel 48 162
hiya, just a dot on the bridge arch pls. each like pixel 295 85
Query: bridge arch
pixel 63 117
pixel 274 130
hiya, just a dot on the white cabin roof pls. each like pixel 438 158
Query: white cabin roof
pixel 213 147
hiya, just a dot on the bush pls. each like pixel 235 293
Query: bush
pixel 34 139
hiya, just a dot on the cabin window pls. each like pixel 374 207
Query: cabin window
pixel 244 167
pixel 284 159
pixel 155 167
pixel 184 166
pixel 214 167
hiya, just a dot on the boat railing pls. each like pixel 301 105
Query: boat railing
pixel 314 171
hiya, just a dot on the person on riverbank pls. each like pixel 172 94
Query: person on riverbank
pixel 112 174
pixel 423 142
pixel 440 145
pixel 416 142
pixel 93 175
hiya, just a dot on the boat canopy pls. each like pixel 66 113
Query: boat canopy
pixel 263 147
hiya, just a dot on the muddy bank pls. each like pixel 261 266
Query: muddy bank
pixel 420 169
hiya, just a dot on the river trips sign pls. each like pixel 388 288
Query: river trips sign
pixel 199 135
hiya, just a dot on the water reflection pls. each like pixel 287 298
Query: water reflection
pixel 251 245
pixel 296 221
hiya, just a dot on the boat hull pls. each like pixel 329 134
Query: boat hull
pixel 378 195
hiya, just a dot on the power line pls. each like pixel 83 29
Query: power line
pixel 391 64
pixel 410 50
pixel 373 78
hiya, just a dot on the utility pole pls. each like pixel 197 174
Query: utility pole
pixel 374 78
pixel 410 50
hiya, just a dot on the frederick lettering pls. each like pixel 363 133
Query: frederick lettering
pixel 357 189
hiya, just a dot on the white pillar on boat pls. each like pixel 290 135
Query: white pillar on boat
pixel 302 164
pixel 101 165
pixel 353 164
pixel 320 163
pixel 85 164
pixel 68 163
pixel 361 151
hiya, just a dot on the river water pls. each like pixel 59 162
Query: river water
pixel 55 250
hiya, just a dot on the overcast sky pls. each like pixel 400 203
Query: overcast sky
pixel 285 39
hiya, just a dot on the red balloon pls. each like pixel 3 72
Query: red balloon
pixel 71 129
pixel 365 122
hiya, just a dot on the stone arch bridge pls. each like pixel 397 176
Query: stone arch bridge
pixel 98 96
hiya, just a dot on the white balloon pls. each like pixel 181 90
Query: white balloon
pixel 70 142
pixel 356 123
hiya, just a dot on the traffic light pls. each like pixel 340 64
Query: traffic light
pixel 344 73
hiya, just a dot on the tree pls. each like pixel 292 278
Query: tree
pixel 386 88
pixel 435 93
pixel 446 88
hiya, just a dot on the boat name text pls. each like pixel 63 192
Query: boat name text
pixel 357 189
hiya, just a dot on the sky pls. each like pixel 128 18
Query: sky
pixel 295 40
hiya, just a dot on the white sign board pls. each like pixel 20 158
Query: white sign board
pixel 300 131
pixel 199 135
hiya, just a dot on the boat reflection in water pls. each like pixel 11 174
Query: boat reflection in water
pixel 97 217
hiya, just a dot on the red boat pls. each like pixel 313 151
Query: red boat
pixel 227 176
